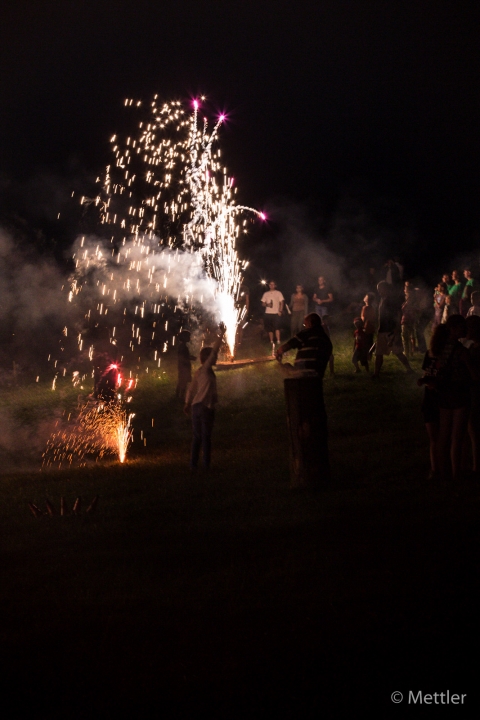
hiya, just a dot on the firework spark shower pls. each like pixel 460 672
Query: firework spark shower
pixel 167 192
pixel 99 429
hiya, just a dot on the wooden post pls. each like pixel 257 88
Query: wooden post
pixel 307 429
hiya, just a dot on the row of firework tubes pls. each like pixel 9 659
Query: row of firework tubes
pixel 51 510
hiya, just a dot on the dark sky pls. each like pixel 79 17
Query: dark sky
pixel 322 96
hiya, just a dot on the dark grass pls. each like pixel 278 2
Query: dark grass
pixel 230 594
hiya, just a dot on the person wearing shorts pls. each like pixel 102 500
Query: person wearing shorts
pixel 389 339
pixel 323 298
pixel 273 301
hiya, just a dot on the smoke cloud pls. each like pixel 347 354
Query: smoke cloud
pixel 139 271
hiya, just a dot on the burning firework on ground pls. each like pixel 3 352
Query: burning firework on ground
pixel 99 430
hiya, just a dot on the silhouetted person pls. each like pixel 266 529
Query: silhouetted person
pixel 313 345
pixel 424 315
pixel 323 298
pixel 473 335
pixel 389 339
pixel 361 345
pixel 430 406
pixel 299 308
pixel 200 403
pixel 305 404
pixel 106 386
pixel 391 274
pixel 184 364
pixel 453 381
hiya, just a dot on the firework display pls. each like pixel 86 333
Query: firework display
pixel 99 430
pixel 166 255
pixel 170 206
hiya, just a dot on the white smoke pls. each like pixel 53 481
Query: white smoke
pixel 29 286
pixel 141 271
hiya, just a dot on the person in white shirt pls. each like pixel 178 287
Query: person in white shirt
pixel 273 301
pixel 200 403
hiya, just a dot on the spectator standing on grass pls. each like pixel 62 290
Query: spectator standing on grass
pixel 360 346
pixel 388 335
pixel 423 302
pixel 470 285
pixel 408 321
pixel 449 309
pixel 439 296
pixel 314 350
pixel 473 335
pixel 456 290
pixel 447 280
pixel 322 298
pixel 454 377
pixel 430 407
pixel 273 302
pixel 200 403
pixel 184 364
pixel 369 317
pixel 391 273
pixel 299 309
pixel 313 345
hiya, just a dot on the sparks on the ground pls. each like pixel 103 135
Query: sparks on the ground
pixel 99 429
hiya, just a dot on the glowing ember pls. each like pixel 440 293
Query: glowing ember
pixel 99 430
pixel 124 434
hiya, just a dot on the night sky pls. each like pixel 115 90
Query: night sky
pixel 329 103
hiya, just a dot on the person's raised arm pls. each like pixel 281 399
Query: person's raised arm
pixel 212 358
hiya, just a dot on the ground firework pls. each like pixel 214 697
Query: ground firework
pixel 100 429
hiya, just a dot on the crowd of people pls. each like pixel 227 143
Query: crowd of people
pixel 392 319
pixel 396 308
pixel 451 403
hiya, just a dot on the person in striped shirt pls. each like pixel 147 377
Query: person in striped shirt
pixel 313 345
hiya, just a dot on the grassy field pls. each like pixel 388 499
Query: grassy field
pixel 232 595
